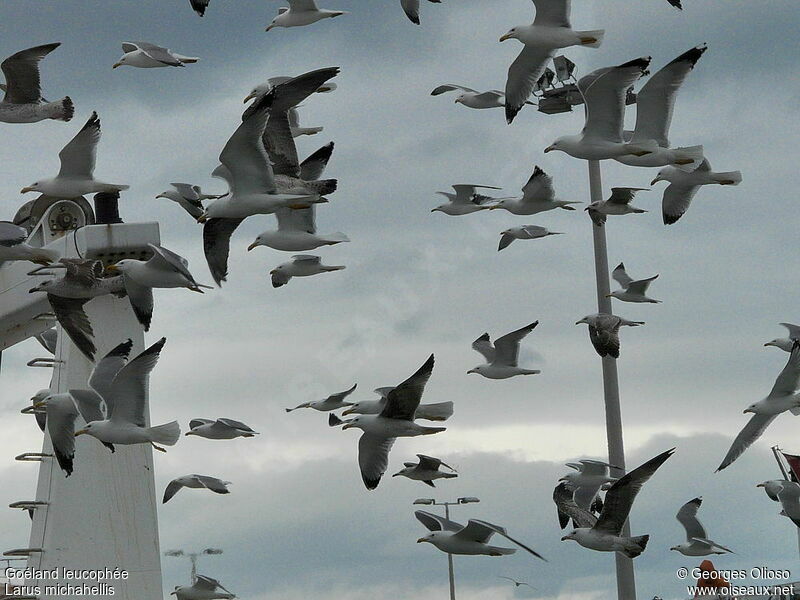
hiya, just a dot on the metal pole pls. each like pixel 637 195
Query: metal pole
pixel 450 559
pixel 626 583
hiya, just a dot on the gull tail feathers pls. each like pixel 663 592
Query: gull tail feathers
pixel 432 430
pixel 635 546
pixel 334 268
pixel 729 178
pixel 167 434
pixel 336 238
pixel 688 157
pixel 441 411
pixel 112 187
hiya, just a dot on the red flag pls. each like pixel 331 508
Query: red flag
pixel 794 466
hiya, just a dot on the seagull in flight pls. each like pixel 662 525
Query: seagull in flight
pixel 502 356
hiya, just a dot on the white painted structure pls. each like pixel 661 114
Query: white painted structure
pixel 104 515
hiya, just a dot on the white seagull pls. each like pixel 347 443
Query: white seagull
pixel 538 195
pixel 604 332
pixel 61 414
pixel 164 269
pixel 396 420
pixel 189 197
pixel 501 357
pixel 784 344
pixel 426 470
pixel 604 534
pixel 619 203
pixel 473 98
pixel 684 185
pixel 633 290
pixel 296 232
pixel 23 102
pixel 145 55
pixel 332 402
pixel 524 232
pixel 438 411
pixel 586 483
pixel 604 92
pixel 551 30
pixel 697 542
pixel 124 393
pixel 217 486
pixel 470 540
pixel 204 588
pixel 788 494
pixel 302 12
pixel 782 397
pixel 301 265
pixel 76 177
pixel 466 199
pixel 14 246
pixel 654 105
pixel 220 429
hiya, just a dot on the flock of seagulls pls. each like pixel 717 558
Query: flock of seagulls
pixel 265 176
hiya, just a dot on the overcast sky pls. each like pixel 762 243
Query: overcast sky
pixel 299 523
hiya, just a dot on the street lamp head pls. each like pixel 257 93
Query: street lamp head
pixel 468 500
pixel 173 553
pixel 212 551
pixel 424 501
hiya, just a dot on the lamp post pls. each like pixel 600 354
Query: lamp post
pixel 193 556
pixel 447 505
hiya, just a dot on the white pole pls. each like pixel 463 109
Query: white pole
pixel 626 583
pixel 450 559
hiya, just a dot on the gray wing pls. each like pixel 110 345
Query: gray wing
pixel 552 13
pixel 72 317
pixel 411 8
pixel 436 523
pixel 235 424
pixel 507 347
pixel 244 155
pixel 107 368
pixel 172 261
pixel 373 458
pixel 280 145
pixel 158 53
pixel 89 404
pixel 676 201
pixel 213 484
pixel 141 298
pixel 538 187
pixel 217 244
pixel 451 87
pixel 523 74
pixel 188 191
pixel 296 219
pixel 126 399
pixel 620 276
pixel 505 241
pixel 687 516
pixel 640 285
pixel 49 340
pixel 656 100
pixel 313 167
pixel 22 74
pixel 341 395
pixel 789 379
pixel 584 496
pixel 11 234
pixel 199 6
pixel 207 583
pixel 753 430
pixel 429 463
pixel 794 330
pixel 563 499
pixel 605 340
pixel 194 423
pixel 289 94
pixel 61 415
pixel 623 195
pixel 604 91
pixel 173 487
pixel 402 401
pixel 620 496
pixel 502 532
pixel 79 155
pixel 484 346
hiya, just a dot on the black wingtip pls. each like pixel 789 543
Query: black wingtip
pixel 692 56
pixel 123 349
pixel 670 219
pixel 642 63
pixel 511 113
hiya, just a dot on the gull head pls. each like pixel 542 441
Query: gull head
pixel 257 91
pixel 353 409
pixel 403 471
pixel 495 206
pixel 427 538
pixel 40 397
pixel 559 144
pixel 42 287
pixel 513 33
pixel 750 409
pixel 34 187
pixel 169 195
pixel 259 241
pixel 475 370
pixel 120 266
pixel 583 320
pixel 572 535
pixel 121 62
pixel 661 176
pixel 437 209
pixel 353 423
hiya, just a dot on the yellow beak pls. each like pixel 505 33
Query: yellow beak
pixel 115 65
pixel 112 269
pixel 26 190
pixel 39 404
pixel 81 432
pixel 349 411
pixel 249 97
pixel 505 37
pixel 420 540
pixel 251 246
pixel 761 485
pixel 347 426
pixel 202 219
pixel 655 181
pixel 548 149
